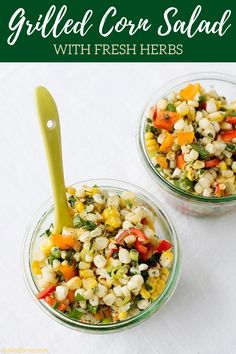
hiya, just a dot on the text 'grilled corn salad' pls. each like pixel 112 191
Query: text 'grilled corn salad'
pixel 191 140
pixel 110 265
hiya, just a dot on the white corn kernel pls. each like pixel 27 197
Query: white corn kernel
pixel 198 188
pixel 109 299
pixel 143 304
pixel 207 192
pixel 154 272
pixel 162 104
pixel 204 182
pixel 99 261
pixel 211 106
pixel 100 243
pixel 183 109
pixel 227 173
pixel 88 294
pixel 124 256
pixel 94 300
pixel 204 123
pixel 101 290
pixel 179 125
pixel 98 199
pixel 61 292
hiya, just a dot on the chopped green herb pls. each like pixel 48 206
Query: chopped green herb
pixel 128 203
pixel 231 147
pixel 76 313
pixel 148 287
pixel 232 114
pixel 106 320
pixel 171 107
pixel 85 224
pixel 89 200
pixel 184 184
pixel 72 200
pixel 56 253
pixel 202 99
pixel 55 306
pixel 201 150
pixel 92 309
pixel 48 231
pixel 79 297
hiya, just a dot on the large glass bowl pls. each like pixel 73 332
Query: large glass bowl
pixel 186 202
pixel 164 229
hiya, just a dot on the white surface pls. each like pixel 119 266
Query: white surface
pixel 99 106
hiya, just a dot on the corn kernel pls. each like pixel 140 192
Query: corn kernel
pixel 222 165
pixel 122 316
pixel 86 273
pixel 79 206
pixel 151 142
pixel 162 283
pixel 114 222
pixel 149 135
pixel 165 271
pixel 35 267
pixel 70 190
pixel 89 283
pixel 46 245
pixel 110 212
pixel 152 148
pixel 145 294
pixel 74 283
pixel 164 277
pixel 155 295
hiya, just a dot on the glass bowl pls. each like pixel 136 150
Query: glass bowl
pixel 164 229
pixel 225 85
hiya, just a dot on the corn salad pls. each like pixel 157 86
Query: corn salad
pixel 191 140
pixel 110 265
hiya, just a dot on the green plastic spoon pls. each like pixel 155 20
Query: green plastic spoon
pixel 50 129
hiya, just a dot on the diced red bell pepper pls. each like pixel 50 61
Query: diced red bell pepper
pixel 218 192
pixel 202 106
pixel 163 246
pixel 113 250
pixel 138 233
pixel 140 247
pixel 228 136
pixel 166 120
pixel 231 120
pixel 144 221
pixel 212 163
pixel 46 292
pixel 148 254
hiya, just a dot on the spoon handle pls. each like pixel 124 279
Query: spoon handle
pixel 50 129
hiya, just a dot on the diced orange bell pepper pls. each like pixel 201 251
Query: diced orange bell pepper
pixel 228 136
pixel 162 161
pixel 68 271
pixel 189 92
pixel 167 142
pixel 166 120
pixel 71 295
pixel 63 242
pixel 184 138
pixel 51 301
pixel 180 162
pixel 212 163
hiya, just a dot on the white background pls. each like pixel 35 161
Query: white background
pixel 99 107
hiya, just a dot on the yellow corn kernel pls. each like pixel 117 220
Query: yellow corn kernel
pixel 162 283
pixel 155 295
pixel 192 175
pixel 89 283
pixel 149 135
pixel 114 222
pixel 165 271
pixel 70 190
pixel 222 165
pixel 74 283
pixel 151 142
pixel 79 206
pixel 152 148
pixel 145 294
pixel 122 316
pixel 92 190
pixel 46 245
pixel 164 277
pixel 218 105
pixel 152 282
pixel 159 288
pixel 35 267
pixel 110 212
pixel 86 273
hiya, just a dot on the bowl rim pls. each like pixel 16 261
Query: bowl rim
pixel 155 307
pixel 159 93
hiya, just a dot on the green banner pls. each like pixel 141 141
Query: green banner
pixel 117 31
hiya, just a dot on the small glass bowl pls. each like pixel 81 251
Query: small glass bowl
pixel 164 229
pixel 197 205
